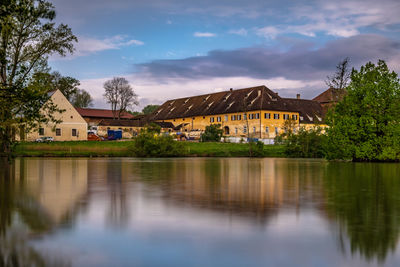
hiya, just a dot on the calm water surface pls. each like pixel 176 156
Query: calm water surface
pixel 198 212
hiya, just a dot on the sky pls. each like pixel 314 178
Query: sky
pixel 168 48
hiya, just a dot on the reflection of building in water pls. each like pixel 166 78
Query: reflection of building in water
pixel 56 184
pixel 244 186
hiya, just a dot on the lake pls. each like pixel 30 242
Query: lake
pixel 198 212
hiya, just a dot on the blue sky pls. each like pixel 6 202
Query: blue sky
pixel 169 49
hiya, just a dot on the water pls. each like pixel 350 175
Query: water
pixel 199 212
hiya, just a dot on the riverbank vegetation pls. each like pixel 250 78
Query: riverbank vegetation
pixel 126 149
pixel 363 126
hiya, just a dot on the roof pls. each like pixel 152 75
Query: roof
pixel 232 101
pixel 332 95
pixel 132 123
pixel 101 113
pixel 310 111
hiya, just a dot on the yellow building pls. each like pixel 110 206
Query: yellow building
pixel 72 128
pixel 257 112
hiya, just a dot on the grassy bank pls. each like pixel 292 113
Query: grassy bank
pixel 123 149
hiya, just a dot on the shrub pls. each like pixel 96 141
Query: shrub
pixel 148 144
pixel 256 149
pixel 303 144
pixel 213 133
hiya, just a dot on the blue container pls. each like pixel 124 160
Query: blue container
pixel 118 134
pixel 114 134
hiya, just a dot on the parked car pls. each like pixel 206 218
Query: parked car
pixel 44 139
pixel 94 137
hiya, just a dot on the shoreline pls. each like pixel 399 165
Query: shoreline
pixel 123 149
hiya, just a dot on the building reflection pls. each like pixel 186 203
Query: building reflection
pixel 37 196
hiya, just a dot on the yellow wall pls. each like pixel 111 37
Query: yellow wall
pixel 71 119
pixel 236 127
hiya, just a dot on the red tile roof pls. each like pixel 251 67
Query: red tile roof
pixel 101 113
pixel 331 95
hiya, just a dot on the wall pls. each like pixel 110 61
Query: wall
pixel 71 119
pixel 236 127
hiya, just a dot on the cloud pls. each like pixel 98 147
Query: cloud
pixel 300 69
pixel 241 32
pixel 303 62
pixel 204 34
pixel 87 45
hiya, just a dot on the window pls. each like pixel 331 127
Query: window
pixel 233 117
pixel 244 129
pixel 204 117
pixel 236 130
pixel 285 116
pixel 226 117
pixel 41 131
pixel 218 119
pixel 294 117
pixel 58 132
pixel 251 116
pixel 74 132
pixel 244 116
pixel 267 115
pixel 276 116
pixel 183 119
pixel 254 129
pixel 276 130
pixel 267 129
pixel 212 119
pixel 257 115
pixel 239 117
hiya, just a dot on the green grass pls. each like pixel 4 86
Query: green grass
pixel 122 149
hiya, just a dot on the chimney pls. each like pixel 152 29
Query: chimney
pixel 231 89
pixel 298 96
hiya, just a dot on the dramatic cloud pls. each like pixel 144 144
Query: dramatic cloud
pixel 298 63
pixel 204 34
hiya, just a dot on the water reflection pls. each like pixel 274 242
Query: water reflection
pixel 97 212
pixel 364 200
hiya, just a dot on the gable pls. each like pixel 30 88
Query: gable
pixel 70 115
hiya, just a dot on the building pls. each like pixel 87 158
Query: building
pixel 330 97
pixel 72 128
pixel 129 128
pixel 93 116
pixel 257 112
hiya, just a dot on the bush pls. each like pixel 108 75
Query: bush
pixel 213 133
pixel 256 149
pixel 304 143
pixel 148 144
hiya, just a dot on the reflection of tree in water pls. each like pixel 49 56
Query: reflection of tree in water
pixel 364 199
pixel 118 212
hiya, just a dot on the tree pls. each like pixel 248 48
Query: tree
pixel 341 78
pixel 120 95
pixel 28 36
pixel 82 99
pixel 212 133
pixel 365 125
pixel 52 81
pixel 150 109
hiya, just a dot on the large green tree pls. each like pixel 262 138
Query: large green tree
pixel 28 36
pixel 365 126
pixel 51 81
